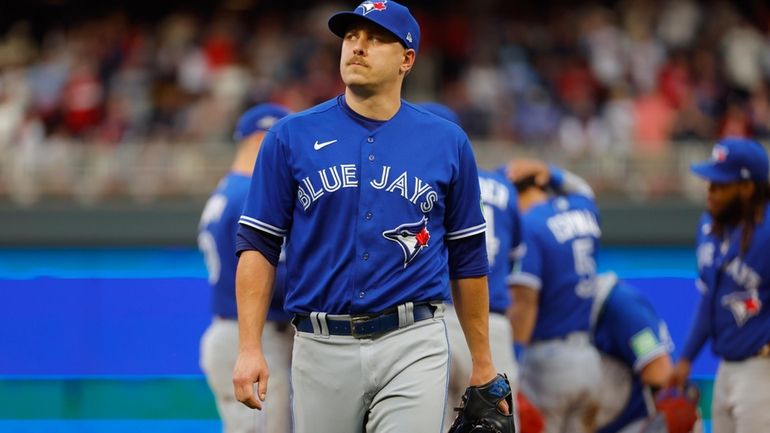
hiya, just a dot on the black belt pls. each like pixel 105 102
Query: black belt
pixel 365 326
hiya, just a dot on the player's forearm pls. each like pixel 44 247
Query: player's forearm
pixel 699 330
pixel 523 313
pixel 567 182
pixel 253 289
pixel 657 372
pixel 471 301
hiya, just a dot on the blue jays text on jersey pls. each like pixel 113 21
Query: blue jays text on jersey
pixel 331 179
pixel 366 206
pixel 561 240
pixel 628 329
pixel 216 240
pixel 503 237
pixel 736 290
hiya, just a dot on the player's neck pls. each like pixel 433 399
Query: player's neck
pixel 375 106
pixel 245 157
pixel 531 197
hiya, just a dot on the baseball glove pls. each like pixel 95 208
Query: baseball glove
pixel 479 411
pixel 677 410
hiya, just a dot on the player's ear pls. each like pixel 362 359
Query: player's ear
pixel 408 60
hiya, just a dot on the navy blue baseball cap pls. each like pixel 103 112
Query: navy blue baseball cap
pixel 733 160
pixel 387 14
pixel 441 110
pixel 259 118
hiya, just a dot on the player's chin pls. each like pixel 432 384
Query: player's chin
pixel 354 80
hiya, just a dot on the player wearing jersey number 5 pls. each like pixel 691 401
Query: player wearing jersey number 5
pixel 379 203
pixel 553 293
pixel 733 241
pixel 216 239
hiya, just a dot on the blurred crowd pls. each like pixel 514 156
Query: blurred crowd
pixel 635 77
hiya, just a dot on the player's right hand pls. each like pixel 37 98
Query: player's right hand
pixel 680 374
pixel 250 368
pixel 520 169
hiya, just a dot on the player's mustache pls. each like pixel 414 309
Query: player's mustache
pixel 357 60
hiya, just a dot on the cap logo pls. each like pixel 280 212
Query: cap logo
pixel 719 154
pixel 409 37
pixel 369 6
pixel 745 173
pixel 266 122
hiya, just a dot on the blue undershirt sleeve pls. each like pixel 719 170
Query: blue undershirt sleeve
pixel 251 239
pixel 468 257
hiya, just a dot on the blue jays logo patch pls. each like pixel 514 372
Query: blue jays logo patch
pixel 369 6
pixel 719 154
pixel 744 305
pixel 411 237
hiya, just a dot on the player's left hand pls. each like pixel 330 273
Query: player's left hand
pixel 483 375
pixel 481 410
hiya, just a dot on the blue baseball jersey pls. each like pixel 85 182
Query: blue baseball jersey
pixel 629 330
pixel 561 240
pixel 366 207
pixel 500 204
pixel 216 240
pixel 736 289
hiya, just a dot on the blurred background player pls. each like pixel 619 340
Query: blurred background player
pixel 503 236
pixel 216 240
pixel 553 295
pixel 635 347
pixel 734 279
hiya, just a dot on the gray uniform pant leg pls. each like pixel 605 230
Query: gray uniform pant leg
pixel 741 402
pixel 562 380
pixel 391 384
pixel 218 353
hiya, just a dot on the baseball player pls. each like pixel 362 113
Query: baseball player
pixel 503 236
pixel 379 203
pixel 553 295
pixel 216 240
pixel 635 348
pixel 734 279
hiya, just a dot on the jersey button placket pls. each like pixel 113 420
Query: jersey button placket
pixel 368 173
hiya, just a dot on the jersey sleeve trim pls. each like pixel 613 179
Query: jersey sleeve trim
pixel 464 233
pixel 642 362
pixel 259 225
pixel 518 252
pixel 524 279
pixel 701 286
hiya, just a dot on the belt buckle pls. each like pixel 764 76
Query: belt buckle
pixel 358 320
